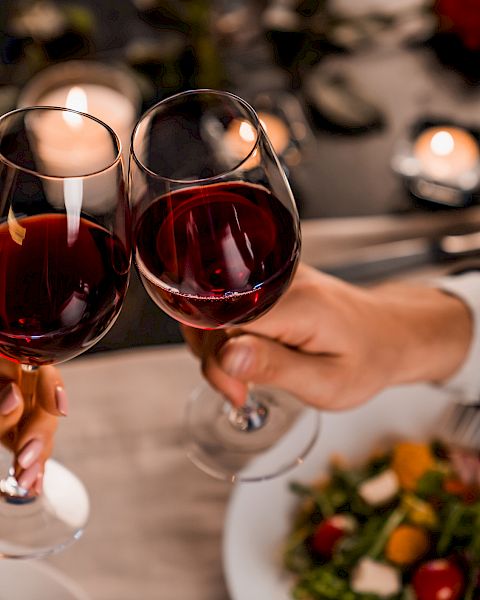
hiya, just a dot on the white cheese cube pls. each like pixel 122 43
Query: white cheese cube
pixel 372 577
pixel 379 489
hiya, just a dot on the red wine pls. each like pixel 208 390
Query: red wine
pixel 216 255
pixel 61 286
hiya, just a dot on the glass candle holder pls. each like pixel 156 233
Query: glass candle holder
pixel 286 125
pixel 440 162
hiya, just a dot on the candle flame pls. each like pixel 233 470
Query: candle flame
pixel 76 100
pixel 246 132
pixel 442 143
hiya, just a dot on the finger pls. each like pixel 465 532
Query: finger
pixel 51 394
pixel 324 309
pixel 11 407
pixel 277 323
pixel 40 426
pixel 33 446
pixel 302 299
pixel 312 378
pixel 234 389
pixel 205 345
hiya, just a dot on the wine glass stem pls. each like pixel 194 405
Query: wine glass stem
pixel 9 486
pixel 28 384
pixel 252 416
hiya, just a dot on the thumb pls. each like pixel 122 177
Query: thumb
pixel 251 358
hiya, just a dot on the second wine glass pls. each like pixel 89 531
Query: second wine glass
pixel 64 267
pixel 216 243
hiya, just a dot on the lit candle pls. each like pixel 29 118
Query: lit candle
pixel 102 102
pixel 276 130
pixel 69 147
pixel 69 144
pixel 104 91
pixel 241 136
pixel 446 154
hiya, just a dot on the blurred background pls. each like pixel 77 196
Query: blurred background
pixel 349 91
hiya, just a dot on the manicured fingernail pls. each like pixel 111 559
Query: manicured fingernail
pixel 62 400
pixel 29 476
pixel 29 453
pixel 237 359
pixel 10 399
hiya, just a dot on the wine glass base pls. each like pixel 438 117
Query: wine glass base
pixel 47 523
pixel 215 446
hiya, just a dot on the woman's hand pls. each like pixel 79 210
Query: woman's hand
pixel 335 345
pixel 30 434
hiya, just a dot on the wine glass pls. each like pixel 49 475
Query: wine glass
pixel 216 239
pixel 64 269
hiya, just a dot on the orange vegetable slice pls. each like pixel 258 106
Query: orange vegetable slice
pixel 410 461
pixel 406 545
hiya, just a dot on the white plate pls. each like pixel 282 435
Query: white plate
pixel 258 516
pixel 22 580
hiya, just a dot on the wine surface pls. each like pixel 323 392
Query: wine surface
pixel 216 255
pixel 62 282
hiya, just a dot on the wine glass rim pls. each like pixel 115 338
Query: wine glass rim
pixel 113 163
pixel 250 110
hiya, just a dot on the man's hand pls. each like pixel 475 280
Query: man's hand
pixel 335 345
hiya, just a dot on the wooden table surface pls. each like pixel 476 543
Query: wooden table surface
pixel 155 531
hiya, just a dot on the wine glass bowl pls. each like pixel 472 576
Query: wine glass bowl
pixel 216 273
pixel 64 245
pixel 216 239
pixel 64 270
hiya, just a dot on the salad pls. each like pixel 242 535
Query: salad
pixel 402 526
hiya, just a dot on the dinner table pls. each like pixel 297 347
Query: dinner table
pixel 157 522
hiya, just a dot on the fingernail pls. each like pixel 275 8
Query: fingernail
pixel 62 400
pixel 237 359
pixel 10 399
pixel 29 453
pixel 29 476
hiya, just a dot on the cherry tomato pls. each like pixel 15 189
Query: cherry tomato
pixel 439 579
pixel 467 492
pixel 328 533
